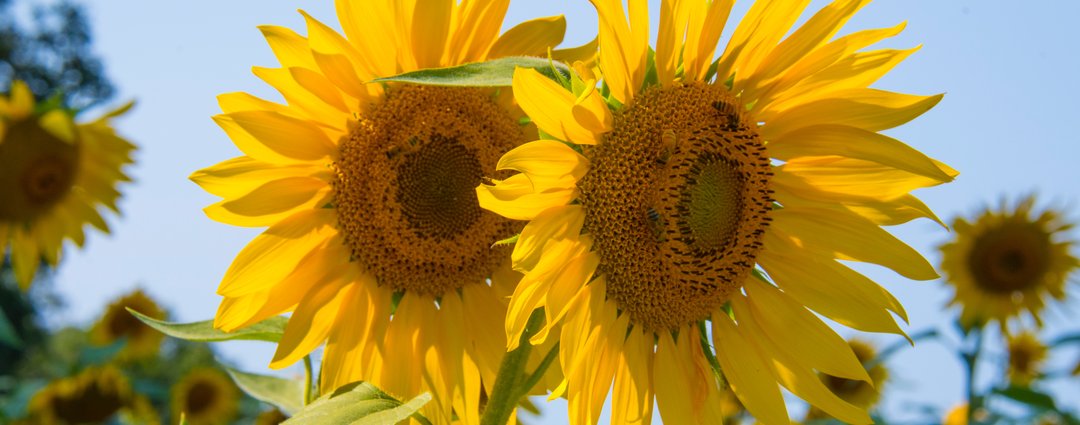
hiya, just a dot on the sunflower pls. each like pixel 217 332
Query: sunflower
pixel 206 397
pixel 859 393
pixel 956 416
pixel 54 176
pixel 1007 262
pixel 142 341
pixel 271 417
pixel 1026 355
pixel 95 395
pixel 689 197
pixel 375 240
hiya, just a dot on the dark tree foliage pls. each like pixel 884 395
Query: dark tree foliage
pixel 52 54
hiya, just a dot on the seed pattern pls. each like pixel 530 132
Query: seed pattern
pixel 677 200
pixel 1012 258
pixel 405 188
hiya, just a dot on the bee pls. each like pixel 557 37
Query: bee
pixel 656 222
pixel 668 144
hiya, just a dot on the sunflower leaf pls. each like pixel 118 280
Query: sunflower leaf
pixel 359 403
pixel 493 73
pixel 286 394
pixel 269 330
pixel 1029 397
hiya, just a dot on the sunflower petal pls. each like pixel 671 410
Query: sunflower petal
pixel 287 136
pixel 751 378
pixel 868 109
pixel 515 198
pixel 311 322
pixel 290 48
pixel 632 395
pixel 271 202
pixel 556 223
pixel 275 253
pixel 551 107
pixel 530 38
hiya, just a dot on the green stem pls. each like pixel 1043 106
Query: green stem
pixel 505 397
pixel 307 381
pixel 971 360
pixel 532 380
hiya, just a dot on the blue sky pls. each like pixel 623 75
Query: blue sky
pixel 1007 123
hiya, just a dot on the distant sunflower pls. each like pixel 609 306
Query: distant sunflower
pixel 376 242
pixel 859 393
pixel 95 395
pixel 54 176
pixel 956 416
pixel 1008 262
pixel 206 397
pixel 271 417
pixel 142 340
pixel 669 194
pixel 1026 356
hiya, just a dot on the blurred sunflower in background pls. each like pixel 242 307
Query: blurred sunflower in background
pixel 271 417
pixel 859 393
pixel 1007 262
pixel 55 175
pixel 1026 356
pixel 669 205
pixel 205 396
pixel 375 240
pixel 142 341
pixel 95 395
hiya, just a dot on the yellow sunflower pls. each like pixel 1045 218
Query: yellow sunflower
pixel 54 176
pixel 206 397
pixel 95 395
pixel 1007 262
pixel 864 394
pixel 376 241
pixel 142 341
pixel 1026 356
pixel 689 198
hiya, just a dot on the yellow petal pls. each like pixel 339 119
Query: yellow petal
pixel 20 101
pixel 241 175
pixel 556 223
pixel 674 16
pixel 851 142
pixel 702 37
pixel 430 29
pixel 858 70
pixel 830 288
pixel 545 161
pixel 550 106
pixel 898 211
pixel 532 290
pixel 632 395
pixel 746 370
pixel 329 111
pixel 585 53
pixel 682 380
pixel 623 48
pixel 290 48
pixel 851 237
pixel 339 61
pixel 275 253
pixel 565 287
pixel 25 257
pixel 272 202
pixel 477 26
pixel 371 27
pixel 868 109
pixel 288 137
pixel 789 323
pixel 350 350
pixel 59 124
pixel 842 179
pixel 242 102
pixel 530 38
pixel 795 374
pixel 310 324
pixel 514 198
pixel 758 32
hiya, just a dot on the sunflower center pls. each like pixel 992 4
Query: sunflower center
pixel 94 404
pixel 36 170
pixel 405 188
pixel 677 201
pixel 201 398
pixel 1012 258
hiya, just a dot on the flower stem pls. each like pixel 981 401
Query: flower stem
pixel 971 360
pixel 307 380
pixel 505 395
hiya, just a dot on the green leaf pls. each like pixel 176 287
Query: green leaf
pixel 359 403
pixel 1029 397
pixel 8 336
pixel 286 394
pixel 269 330
pixel 493 73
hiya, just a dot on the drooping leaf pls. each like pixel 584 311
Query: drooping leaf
pixel 269 330
pixel 493 73
pixel 1029 396
pixel 359 403
pixel 286 394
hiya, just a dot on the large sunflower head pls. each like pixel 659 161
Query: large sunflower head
pixel 1026 356
pixel 689 199
pixel 1008 262
pixel 96 395
pixel 205 396
pixel 55 175
pixel 142 340
pixel 367 190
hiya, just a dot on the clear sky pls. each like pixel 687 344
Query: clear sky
pixel 1007 123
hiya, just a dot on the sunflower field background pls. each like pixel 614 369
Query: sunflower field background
pixel 1006 123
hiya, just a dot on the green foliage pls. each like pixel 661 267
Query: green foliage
pixel 285 394
pixel 359 403
pixel 269 330
pixel 493 73
pixel 53 54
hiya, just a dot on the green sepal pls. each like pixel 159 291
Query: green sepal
pixel 359 403
pixel 269 330
pixel 493 73
pixel 508 241
pixel 285 394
